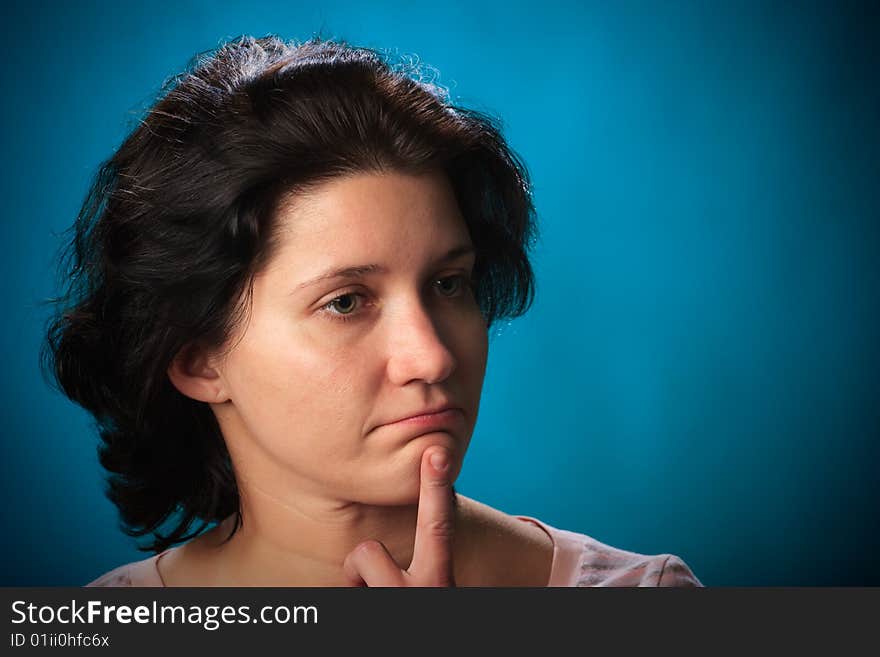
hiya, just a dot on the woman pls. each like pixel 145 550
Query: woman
pixel 282 286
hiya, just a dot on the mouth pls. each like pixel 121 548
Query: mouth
pixel 448 420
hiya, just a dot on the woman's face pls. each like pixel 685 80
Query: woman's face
pixel 326 364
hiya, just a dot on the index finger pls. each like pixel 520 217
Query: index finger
pixel 432 554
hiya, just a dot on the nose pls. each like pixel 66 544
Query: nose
pixel 417 351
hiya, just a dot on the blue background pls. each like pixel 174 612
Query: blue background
pixel 700 373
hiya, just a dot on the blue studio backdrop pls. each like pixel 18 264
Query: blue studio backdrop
pixel 700 371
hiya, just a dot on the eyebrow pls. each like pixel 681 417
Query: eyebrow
pixel 356 271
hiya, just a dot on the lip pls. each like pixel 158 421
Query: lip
pixel 443 418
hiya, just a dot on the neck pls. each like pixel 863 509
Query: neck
pixel 303 540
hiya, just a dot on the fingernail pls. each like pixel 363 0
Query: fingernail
pixel 439 461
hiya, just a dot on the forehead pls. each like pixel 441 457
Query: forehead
pixel 374 216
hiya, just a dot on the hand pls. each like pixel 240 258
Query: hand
pixel 371 564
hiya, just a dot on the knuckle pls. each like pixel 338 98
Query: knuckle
pixel 441 527
pixel 369 548
pixel 439 482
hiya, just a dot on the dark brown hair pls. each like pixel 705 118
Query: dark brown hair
pixel 179 220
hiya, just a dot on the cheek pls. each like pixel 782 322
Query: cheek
pixel 295 395
pixel 472 346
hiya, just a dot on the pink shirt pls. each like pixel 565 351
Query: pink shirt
pixel 578 560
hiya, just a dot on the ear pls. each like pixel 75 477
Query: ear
pixel 195 374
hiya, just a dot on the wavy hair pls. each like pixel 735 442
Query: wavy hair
pixel 180 218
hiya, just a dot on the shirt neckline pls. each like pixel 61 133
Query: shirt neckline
pixel 567 553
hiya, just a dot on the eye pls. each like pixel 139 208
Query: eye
pixel 346 308
pixel 447 290
pixel 342 307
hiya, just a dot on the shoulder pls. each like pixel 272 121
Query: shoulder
pixel 137 573
pixel 498 549
pixel 603 565
pixel 581 560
